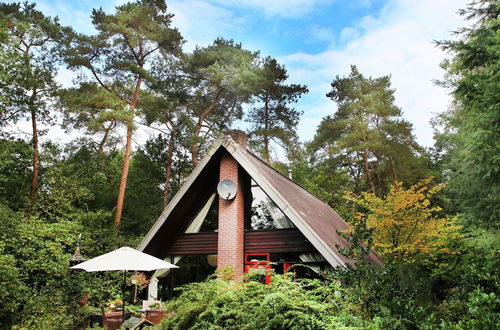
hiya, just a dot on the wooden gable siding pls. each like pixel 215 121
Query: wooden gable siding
pixel 282 240
pixel 195 243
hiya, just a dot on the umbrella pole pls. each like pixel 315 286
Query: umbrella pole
pixel 123 295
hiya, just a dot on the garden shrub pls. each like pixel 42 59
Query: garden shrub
pixel 12 289
pixel 284 304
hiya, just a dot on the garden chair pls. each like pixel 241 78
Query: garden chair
pixel 111 320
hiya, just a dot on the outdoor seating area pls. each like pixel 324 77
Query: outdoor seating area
pixel 139 318
pixel 127 259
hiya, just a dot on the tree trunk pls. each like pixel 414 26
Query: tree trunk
pixel 393 165
pixel 367 170
pixel 194 153
pixel 123 179
pixel 168 171
pixel 34 180
pixel 126 157
pixel 266 131
pixel 107 130
pixel 266 150
pixel 201 120
pixel 379 179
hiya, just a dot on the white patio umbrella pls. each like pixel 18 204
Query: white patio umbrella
pixel 124 259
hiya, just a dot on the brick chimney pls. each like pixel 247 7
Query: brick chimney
pixel 231 231
pixel 238 136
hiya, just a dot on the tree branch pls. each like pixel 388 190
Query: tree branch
pixel 107 87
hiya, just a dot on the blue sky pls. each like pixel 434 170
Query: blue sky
pixel 319 39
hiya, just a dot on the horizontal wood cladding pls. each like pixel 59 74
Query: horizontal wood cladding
pixel 196 243
pixel 280 240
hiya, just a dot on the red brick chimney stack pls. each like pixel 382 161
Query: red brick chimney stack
pixel 232 214
pixel 238 136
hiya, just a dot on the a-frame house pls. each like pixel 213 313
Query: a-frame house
pixel 298 226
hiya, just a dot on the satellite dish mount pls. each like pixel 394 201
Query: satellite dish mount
pixel 226 189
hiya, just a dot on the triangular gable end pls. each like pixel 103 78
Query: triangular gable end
pixel 313 217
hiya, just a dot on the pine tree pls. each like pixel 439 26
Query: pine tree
pixel 222 76
pixel 165 109
pixel 27 72
pixel 273 118
pixel 118 58
pixel 91 108
pixel 367 136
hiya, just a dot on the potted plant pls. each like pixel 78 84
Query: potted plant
pixel 139 281
pixel 115 305
pixel 155 314
pixel 155 305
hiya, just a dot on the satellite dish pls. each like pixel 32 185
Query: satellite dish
pixel 226 189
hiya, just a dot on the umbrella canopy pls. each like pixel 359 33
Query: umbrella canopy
pixel 125 259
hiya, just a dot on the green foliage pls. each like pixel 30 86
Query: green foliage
pixel 359 239
pixel 92 108
pixel 15 174
pixel 321 178
pixel 479 310
pixel 29 58
pixel 399 296
pixel 222 76
pixel 117 55
pixel 99 234
pixel 471 128
pixel 144 198
pixel 41 291
pixel 134 66
pixel 285 304
pixel 118 59
pixel 46 254
pixel 62 192
pixel 12 288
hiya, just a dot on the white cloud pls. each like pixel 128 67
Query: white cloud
pixel 348 33
pixel 399 42
pixel 79 20
pixel 201 22
pixel 322 34
pixel 283 8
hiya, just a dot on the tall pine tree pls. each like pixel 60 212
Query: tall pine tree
pixel 273 118
pixel 367 136
pixel 118 59
pixel 222 77
pixel 28 68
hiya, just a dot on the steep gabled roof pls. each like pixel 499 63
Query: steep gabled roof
pixel 317 221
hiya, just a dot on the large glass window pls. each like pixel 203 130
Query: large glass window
pixel 265 214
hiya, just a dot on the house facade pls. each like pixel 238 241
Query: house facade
pixel 234 210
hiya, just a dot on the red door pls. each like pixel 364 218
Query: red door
pixel 259 261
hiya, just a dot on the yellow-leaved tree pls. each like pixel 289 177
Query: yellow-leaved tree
pixel 406 226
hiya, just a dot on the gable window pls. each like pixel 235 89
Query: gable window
pixel 265 214
pixel 206 220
